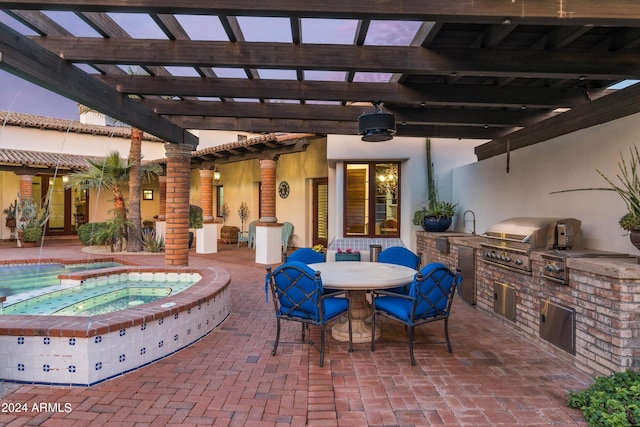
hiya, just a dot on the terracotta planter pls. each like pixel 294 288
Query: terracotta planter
pixel 29 244
pixel 10 222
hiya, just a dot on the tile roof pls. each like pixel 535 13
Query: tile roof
pixel 240 148
pixel 43 122
pixel 10 157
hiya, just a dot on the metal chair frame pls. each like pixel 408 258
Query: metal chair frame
pixel 300 297
pixel 429 300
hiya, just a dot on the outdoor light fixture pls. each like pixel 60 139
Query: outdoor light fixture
pixel 377 126
pixel 216 174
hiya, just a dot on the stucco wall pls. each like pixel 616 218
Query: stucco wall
pixel 563 163
pixel 413 173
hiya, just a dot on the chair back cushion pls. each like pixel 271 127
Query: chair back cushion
pixel 297 290
pixel 400 256
pixel 433 289
pixel 305 255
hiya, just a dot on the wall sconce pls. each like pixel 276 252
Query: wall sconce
pixel 216 174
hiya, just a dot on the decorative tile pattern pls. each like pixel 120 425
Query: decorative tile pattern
pixel 101 347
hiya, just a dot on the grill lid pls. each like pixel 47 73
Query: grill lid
pixel 538 232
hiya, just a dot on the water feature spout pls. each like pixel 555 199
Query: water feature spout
pixel 473 220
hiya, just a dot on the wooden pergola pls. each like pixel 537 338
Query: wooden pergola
pixel 512 72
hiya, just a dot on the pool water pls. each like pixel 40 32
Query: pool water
pixel 114 301
pixel 99 295
pixel 19 278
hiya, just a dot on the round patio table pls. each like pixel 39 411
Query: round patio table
pixel 360 277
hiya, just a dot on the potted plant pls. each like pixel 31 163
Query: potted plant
pixel 30 222
pixel 11 213
pixel 347 255
pixel 195 221
pixel 31 235
pixel 628 189
pixel 436 217
pixel 438 214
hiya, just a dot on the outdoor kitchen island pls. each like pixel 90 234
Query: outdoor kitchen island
pixel 592 321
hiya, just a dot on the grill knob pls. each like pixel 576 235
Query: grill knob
pixel 518 262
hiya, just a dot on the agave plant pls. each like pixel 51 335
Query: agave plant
pixel 627 187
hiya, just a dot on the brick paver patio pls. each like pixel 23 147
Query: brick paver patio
pixel 229 378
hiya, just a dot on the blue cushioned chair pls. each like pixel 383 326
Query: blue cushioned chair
pixel 400 256
pixel 305 255
pixel 298 295
pixel 429 300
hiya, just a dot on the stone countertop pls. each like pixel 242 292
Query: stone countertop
pixel 619 268
pixel 467 239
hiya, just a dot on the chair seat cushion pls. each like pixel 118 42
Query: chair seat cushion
pixel 400 308
pixel 335 306
pixel 395 306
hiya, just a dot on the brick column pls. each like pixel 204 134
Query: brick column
pixel 206 194
pixel 177 204
pixel 162 182
pixel 26 186
pixel 268 196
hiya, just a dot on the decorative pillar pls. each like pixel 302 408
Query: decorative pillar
pixel 26 186
pixel 268 196
pixel 177 204
pixel 268 231
pixel 162 182
pixel 206 194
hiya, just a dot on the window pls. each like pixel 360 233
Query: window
pixel 371 195
pixel 219 200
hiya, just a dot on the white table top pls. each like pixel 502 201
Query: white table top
pixel 356 275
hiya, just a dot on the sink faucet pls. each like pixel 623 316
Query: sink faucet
pixel 473 216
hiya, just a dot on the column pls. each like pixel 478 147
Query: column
pixel 26 186
pixel 177 204
pixel 206 194
pixel 161 222
pixel 207 236
pixel 268 231
pixel 268 196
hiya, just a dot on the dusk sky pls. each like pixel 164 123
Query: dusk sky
pixel 22 96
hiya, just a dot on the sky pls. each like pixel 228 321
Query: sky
pixel 18 95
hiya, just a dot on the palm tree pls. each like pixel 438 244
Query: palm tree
pixel 111 175
pixel 134 242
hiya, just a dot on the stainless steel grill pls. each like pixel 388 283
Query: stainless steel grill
pixel 555 262
pixel 509 243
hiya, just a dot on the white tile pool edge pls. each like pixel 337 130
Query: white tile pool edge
pixel 81 351
pixel 87 361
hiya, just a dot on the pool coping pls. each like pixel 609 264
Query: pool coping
pixel 213 282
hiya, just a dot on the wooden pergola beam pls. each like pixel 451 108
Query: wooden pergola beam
pixel 30 61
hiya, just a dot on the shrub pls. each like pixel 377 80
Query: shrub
pixel 88 232
pixel 150 242
pixel 195 216
pixel 610 401
pixel 31 234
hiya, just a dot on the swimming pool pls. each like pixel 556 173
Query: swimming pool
pixel 18 278
pixel 75 346
pixel 95 296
